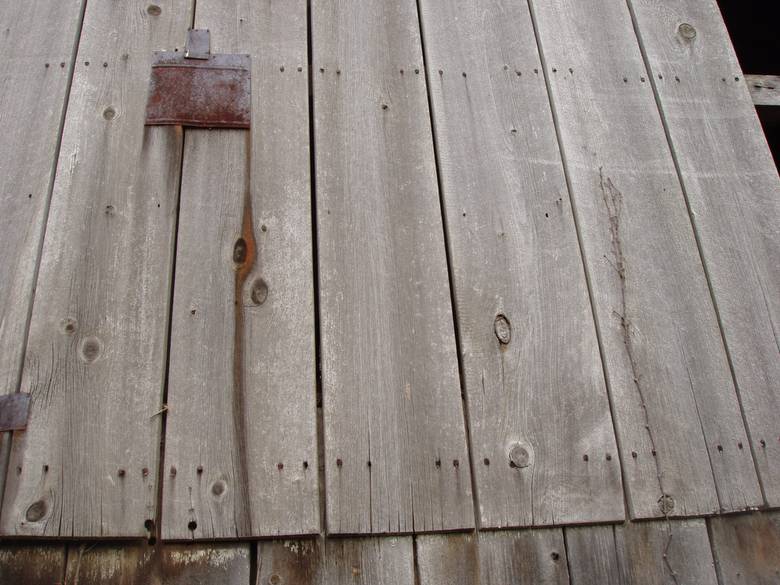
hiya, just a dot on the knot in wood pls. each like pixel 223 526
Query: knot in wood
pixel 239 251
pixel 666 504
pixel 502 329
pixel 90 349
pixel 259 291
pixel 519 456
pixel 687 31
pixel 36 512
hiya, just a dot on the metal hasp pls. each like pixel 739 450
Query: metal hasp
pixel 199 89
pixel 14 410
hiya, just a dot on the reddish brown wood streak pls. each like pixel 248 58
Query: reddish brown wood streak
pixel 243 269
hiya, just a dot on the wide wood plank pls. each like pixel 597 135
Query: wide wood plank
pixel 747 548
pixel 733 190
pixel 86 466
pixel 532 557
pixel 38 45
pixel 117 564
pixel 366 561
pixel 538 387
pixel 241 439
pixel 395 444
pixel 676 411
pixel 649 553
pixel 32 564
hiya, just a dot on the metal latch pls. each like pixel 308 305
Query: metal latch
pixel 14 411
pixel 199 89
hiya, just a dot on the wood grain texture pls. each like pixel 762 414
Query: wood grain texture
pixel 86 466
pixel 747 548
pixel 32 564
pixel 366 561
pixel 37 37
pixel 671 552
pixel 764 89
pixel 676 410
pixel 515 256
pixel 241 430
pixel 733 191
pixel 131 564
pixel 395 444
pixel 527 557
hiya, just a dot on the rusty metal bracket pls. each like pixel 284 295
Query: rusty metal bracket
pixel 199 89
pixel 14 411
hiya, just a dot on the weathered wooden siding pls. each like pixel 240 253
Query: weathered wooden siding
pixel 241 430
pixel 530 355
pixel 96 353
pixel 732 190
pixel 389 364
pixel 683 442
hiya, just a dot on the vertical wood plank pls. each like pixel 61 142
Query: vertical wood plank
pixel 527 557
pixel 32 564
pixel 38 40
pixel 241 430
pixel 747 548
pixel 395 445
pixel 651 553
pixel 733 191
pixel 132 564
pixel 516 264
pixel 366 561
pixel 676 411
pixel 38 43
pixel 86 466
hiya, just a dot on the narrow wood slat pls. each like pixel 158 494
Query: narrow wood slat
pixel 86 466
pixel 527 557
pixel 395 445
pixel 132 564
pixel 515 256
pixel 650 553
pixel 764 89
pixel 366 561
pixel 747 548
pixel 733 190
pixel 32 564
pixel 241 431
pixel 676 411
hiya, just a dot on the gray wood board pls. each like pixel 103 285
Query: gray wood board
pixel 733 191
pixel 38 42
pixel 115 564
pixel 764 89
pixel 670 552
pixel 364 561
pixel 526 557
pixel 515 257
pixel 747 548
pixel 241 430
pixel 32 564
pixel 38 45
pixel 95 364
pixel 676 410
pixel 395 442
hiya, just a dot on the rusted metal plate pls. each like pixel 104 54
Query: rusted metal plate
pixel 14 410
pixel 214 92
